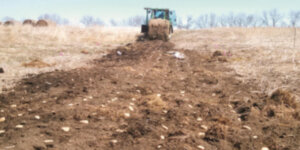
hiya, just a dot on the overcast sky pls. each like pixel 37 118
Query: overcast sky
pixel 120 9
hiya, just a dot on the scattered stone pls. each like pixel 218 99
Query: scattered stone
pixel 165 111
pixel 182 92
pixel 66 129
pixel 255 137
pixel 127 115
pixel 103 106
pixel 213 94
pixel 9 147
pixel 165 127
pixel 179 55
pixel 114 99
pixel 29 110
pixel 199 119
pixel 264 148
pixel 200 147
pixel 120 130
pixel 90 97
pixel 71 104
pixel 114 141
pixel 158 95
pixel 190 106
pixel 119 53
pixel 37 117
pixel 84 121
pixel 2 119
pixel 162 137
pixel 131 104
pixel 85 99
pixel 201 134
pixel 13 106
pixel 48 141
pixel 2 110
pixel 239 119
pixel 230 106
pixel 159 146
pixel 130 108
pixel 19 126
pixel 133 99
pixel 2 131
pixel 44 102
pixel 246 127
pixel 204 127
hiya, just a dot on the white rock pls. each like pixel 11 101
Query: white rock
pixel 71 104
pixel 85 99
pixel 264 148
pixel 165 127
pixel 204 127
pixel 13 106
pixel 213 94
pixel 90 97
pixel 2 131
pixel 165 111
pixel 120 130
pixel 66 129
pixel 239 119
pixel 2 119
pixel 201 134
pixel 133 99
pixel 230 106
pixel 127 115
pixel 20 115
pixel 119 53
pixel 29 110
pixel 10 147
pixel 48 141
pixel 158 95
pixel 162 137
pixel 246 127
pixel 255 137
pixel 179 55
pixel 199 119
pixel 114 99
pixel 37 117
pixel 159 146
pixel 190 106
pixel 200 147
pixel 130 108
pixel 19 126
pixel 44 102
pixel 103 105
pixel 2 110
pixel 114 141
pixel 131 104
pixel 84 121
pixel 182 92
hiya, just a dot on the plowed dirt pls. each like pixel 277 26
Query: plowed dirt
pixel 142 97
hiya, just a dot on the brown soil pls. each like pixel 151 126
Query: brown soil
pixel 141 97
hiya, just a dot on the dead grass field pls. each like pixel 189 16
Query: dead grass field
pixel 60 47
pixel 263 55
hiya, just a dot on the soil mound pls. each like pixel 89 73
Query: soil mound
pixel 140 96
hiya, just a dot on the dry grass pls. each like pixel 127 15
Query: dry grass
pixel 62 47
pixel 263 55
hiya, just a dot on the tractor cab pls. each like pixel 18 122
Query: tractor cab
pixel 155 13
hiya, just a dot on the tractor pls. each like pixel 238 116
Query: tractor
pixel 159 24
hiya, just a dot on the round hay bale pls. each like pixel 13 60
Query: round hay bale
pixel 28 22
pixel 159 29
pixel 9 23
pixel 42 23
